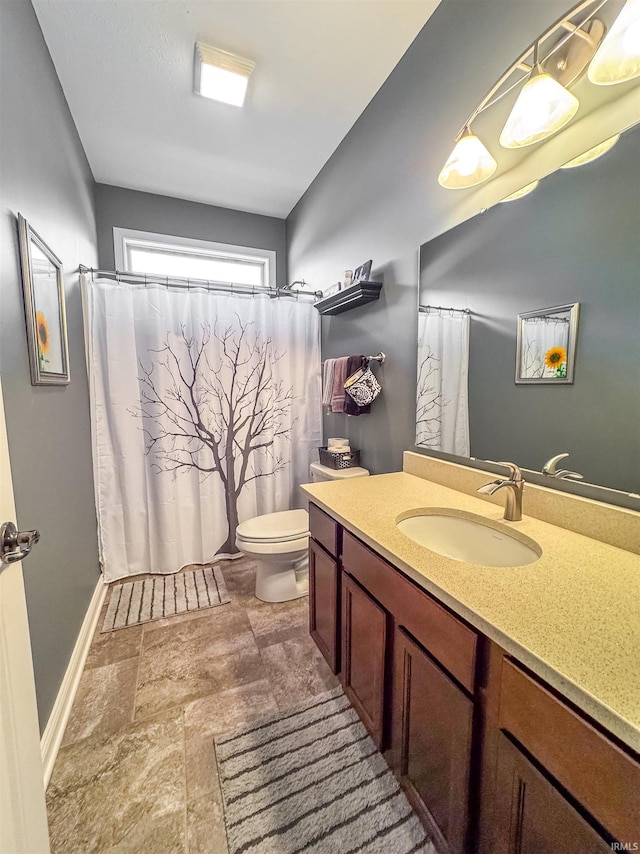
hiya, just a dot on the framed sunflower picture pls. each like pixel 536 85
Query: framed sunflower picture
pixel 43 289
pixel 546 345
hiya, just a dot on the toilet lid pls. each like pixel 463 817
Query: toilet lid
pixel 275 527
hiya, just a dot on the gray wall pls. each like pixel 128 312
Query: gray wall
pixel 44 175
pixel 122 208
pixel 574 239
pixel 377 197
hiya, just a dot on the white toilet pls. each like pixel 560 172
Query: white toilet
pixel 279 543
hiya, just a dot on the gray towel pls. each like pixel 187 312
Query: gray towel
pixel 339 376
pixel 327 381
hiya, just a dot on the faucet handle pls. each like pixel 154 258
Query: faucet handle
pixel 514 471
pixel 550 466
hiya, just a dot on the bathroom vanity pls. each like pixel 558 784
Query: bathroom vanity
pixel 507 706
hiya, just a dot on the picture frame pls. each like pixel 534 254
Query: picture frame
pixel 361 273
pixel 44 308
pixel 546 345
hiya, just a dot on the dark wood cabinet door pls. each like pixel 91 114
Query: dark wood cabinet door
pixel 531 816
pixel 432 736
pixel 364 645
pixel 324 592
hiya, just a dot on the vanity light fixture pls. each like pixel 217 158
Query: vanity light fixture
pixel 541 75
pixel 592 153
pixel 523 191
pixel 220 75
pixel 469 163
pixel 618 57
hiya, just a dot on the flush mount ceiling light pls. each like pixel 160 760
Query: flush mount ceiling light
pixel 220 75
pixel 540 75
pixel 618 57
pixel 469 163
pixel 592 153
pixel 523 191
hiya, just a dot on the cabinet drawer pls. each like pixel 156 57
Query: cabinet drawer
pixel 323 529
pixel 599 774
pixel 447 638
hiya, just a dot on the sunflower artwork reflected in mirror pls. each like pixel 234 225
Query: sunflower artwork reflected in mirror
pixel 546 345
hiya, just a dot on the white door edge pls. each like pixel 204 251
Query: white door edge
pixel 23 822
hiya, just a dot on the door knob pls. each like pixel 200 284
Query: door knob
pixel 15 545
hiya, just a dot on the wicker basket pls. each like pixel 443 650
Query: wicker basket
pixel 340 459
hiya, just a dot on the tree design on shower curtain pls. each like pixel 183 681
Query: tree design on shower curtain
pixel 212 403
pixel 430 403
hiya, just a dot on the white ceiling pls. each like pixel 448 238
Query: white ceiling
pixel 126 67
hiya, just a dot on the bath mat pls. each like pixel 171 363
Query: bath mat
pixel 142 601
pixel 311 780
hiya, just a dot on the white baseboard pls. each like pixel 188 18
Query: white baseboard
pixel 54 730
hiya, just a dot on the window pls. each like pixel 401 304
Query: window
pixel 164 255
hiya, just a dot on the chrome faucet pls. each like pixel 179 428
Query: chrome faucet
pixel 515 482
pixel 549 468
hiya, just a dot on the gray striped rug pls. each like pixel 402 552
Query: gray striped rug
pixel 311 779
pixel 152 598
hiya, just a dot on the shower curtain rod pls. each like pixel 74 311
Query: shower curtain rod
pixel 145 279
pixel 429 308
pixel 546 319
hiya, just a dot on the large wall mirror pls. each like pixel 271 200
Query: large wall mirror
pixel 574 240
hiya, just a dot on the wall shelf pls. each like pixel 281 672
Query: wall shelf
pixel 352 297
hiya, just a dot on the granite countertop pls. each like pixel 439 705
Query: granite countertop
pixel 572 617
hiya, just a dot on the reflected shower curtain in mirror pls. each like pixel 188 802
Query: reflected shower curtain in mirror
pixel 540 335
pixel 442 407
pixel 204 407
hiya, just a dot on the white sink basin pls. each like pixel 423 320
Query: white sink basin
pixel 468 538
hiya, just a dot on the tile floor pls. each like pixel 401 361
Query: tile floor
pixel 136 771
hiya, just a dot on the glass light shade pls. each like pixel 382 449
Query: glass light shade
pixel 618 57
pixel 543 107
pixel 469 163
pixel 523 191
pixel 592 153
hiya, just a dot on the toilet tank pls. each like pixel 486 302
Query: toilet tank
pixel 319 472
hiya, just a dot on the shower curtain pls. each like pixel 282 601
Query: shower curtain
pixel 442 407
pixel 204 408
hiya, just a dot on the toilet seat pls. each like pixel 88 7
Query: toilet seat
pixel 287 548
pixel 286 526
